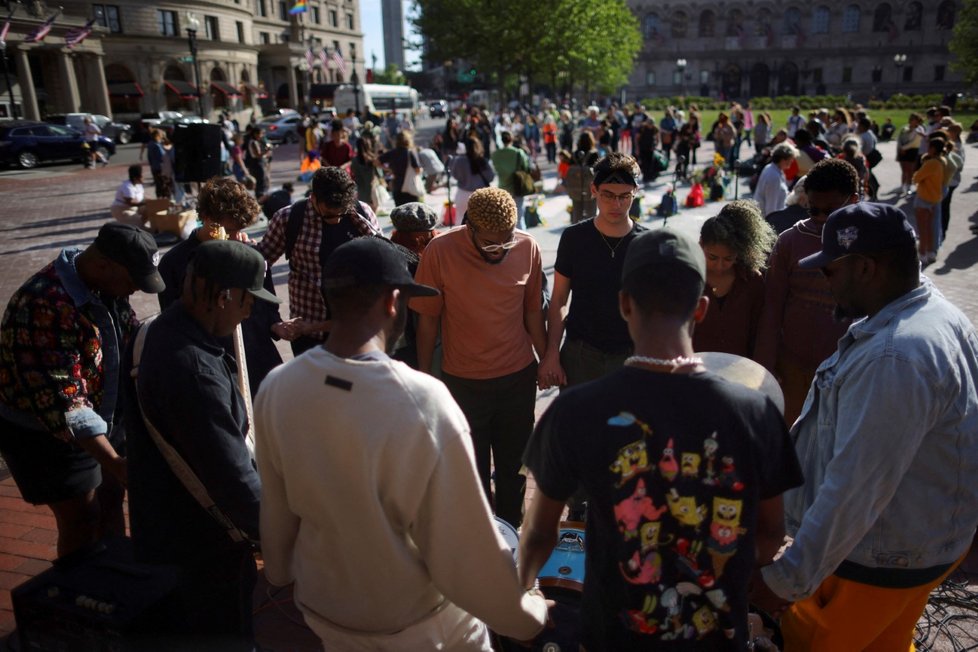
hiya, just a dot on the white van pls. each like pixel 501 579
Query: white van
pixel 376 98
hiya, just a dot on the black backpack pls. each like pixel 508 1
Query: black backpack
pixel 292 227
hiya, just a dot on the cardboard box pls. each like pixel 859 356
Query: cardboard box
pixel 175 223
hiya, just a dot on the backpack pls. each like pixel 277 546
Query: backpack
pixel 292 227
pixel 579 178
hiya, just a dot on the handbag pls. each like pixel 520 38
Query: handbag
pixel 412 183
pixel 874 158
pixel 523 183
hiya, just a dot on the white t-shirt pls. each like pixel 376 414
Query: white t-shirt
pixel 92 132
pixel 129 190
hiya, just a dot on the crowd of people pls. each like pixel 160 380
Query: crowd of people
pixel 373 462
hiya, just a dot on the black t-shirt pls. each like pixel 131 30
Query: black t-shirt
pixel 673 467
pixel 585 257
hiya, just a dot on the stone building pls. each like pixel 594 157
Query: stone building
pixel 251 55
pixel 743 48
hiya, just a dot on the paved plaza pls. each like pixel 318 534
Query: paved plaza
pixel 40 213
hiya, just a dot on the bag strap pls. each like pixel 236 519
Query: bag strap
pixel 177 464
pixel 292 227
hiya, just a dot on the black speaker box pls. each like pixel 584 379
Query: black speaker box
pixel 198 151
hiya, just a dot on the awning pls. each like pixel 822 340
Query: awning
pixel 125 89
pixel 224 87
pixel 181 88
pixel 257 91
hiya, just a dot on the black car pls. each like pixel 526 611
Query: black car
pixel 119 132
pixel 27 143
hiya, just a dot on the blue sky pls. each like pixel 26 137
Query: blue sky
pixel 373 32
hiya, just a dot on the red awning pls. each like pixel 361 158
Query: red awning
pixel 125 89
pixel 257 91
pixel 224 87
pixel 184 89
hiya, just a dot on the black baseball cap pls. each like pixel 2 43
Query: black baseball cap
pixel 233 264
pixel 134 249
pixel 861 228
pixel 664 246
pixel 371 261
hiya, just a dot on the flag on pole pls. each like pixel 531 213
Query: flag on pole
pixel 324 58
pixel 337 58
pixel 41 30
pixel 6 28
pixel 300 7
pixel 75 36
pixel 310 58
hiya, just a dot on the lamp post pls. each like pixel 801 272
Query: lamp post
pixel 681 65
pixel 193 24
pixel 355 80
pixel 447 68
pixel 308 70
pixel 899 60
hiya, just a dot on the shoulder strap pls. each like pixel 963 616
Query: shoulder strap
pixel 177 464
pixel 292 227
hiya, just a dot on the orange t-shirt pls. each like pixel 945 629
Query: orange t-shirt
pixel 481 305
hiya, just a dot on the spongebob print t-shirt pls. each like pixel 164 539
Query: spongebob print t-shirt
pixel 673 466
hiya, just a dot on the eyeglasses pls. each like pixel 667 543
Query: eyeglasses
pixel 493 247
pixel 623 198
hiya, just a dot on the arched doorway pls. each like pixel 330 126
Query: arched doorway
pixel 731 82
pixel 179 94
pixel 125 95
pixel 218 89
pixel 788 79
pixel 760 80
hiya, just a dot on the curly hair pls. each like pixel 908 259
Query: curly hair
pixel 833 175
pixel 740 226
pixel 334 187
pixel 223 198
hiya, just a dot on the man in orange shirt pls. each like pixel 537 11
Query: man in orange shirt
pixel 491 319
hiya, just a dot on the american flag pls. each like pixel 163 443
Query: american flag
pixel 337 58
pixel 324 58
pixel 41 30
pixel 6 28
pixel 310 59
pixel 75 36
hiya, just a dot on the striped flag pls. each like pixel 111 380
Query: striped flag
pixel 337 58
pixel 324 58
pixel 6 28
pixel 75 36
pixel 300 7
pixel 310 58
pixel 41 30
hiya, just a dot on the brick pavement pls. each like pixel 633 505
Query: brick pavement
pixel 41 215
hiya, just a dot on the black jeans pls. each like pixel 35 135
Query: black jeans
pixel 500 416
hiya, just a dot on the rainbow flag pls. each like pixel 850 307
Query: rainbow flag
pixel 300 7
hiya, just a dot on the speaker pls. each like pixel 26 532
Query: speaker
pixel 198 151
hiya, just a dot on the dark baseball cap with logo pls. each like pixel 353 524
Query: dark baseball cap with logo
pixel 861 228
pixel 664 246
pixel 134 249
pixel 232 264
pixel 371 261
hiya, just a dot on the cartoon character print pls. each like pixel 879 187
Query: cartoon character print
pixel 690 465
pixel 641 569
pixel 685 510
pixel 710 446
pixel 704 620
pixel 667 464
pixel 649 536
pixel 728 475
pixel 630 512
pixel 724 531
pixel 632 460
pixel 640 620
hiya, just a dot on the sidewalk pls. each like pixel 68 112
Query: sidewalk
pixel 41 216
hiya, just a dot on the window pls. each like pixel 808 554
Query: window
pixel 877 75
pixel 261 8
pixel 850 19
pixel 239 27
pixel 820 20
pixel 847 74
pixel 915 17
pixel 792 21
pixel 212 29
pixel 817 75
pixel 677 78
pixel 316 17
pixel 939 73
pixel 264 38
pixel 650 79
pixel 167 21
pixel 945 15
pixel 908 73
pixel 349 22
pixel 651 26
pixel 704 76
pixel 708 23
pixel 108 16
pixel 283 12
pixel 333 20
pixel 678 27
pixel 883 18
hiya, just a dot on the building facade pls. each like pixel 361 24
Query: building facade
pixel 392 15
pixel 741 49
pixel 251 56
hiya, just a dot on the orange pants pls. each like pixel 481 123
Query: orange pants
pixel 847 615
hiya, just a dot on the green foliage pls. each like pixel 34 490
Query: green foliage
pixel 964 41
pixel 554 42
pixel 809 102
pixel 390 75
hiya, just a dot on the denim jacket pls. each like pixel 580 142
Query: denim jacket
pixel 888 442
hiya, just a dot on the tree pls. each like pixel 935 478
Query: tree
pixel 389 75
pixel 593 44
pixel 964 41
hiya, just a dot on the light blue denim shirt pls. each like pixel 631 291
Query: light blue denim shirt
pixel 888 442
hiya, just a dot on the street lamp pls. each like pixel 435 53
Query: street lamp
pixel 681 64
pixel 355 80
pixel 193 24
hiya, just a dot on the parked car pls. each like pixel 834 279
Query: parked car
pixel 170 123
pixel 27 143
pixel 437 108
pixel 156 117
pixel 282 129
pixel 117 131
